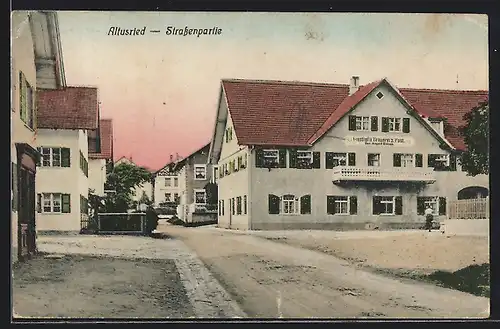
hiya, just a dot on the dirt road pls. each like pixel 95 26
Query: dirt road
pixel 271 279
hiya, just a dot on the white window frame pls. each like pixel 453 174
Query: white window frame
pixel 340 156
pixel 445 158
pixel 169 180
pixel 289 202
pixel 52 198
pixel 275 156
pixel 375 161
pixel 430 201
pixel 407 160
pixel 176 181
pixel 50 156
pixel 386 202
pixel 361 121
pixel 204 196
pixel 343 201
pixel 169 198
pixel 306 156
pixel 200 166
pixel 393 122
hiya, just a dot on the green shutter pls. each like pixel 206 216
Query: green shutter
pixel 396 160
pixel 398 209
pixel 406 125
pixel 22 96
pixel 330 205
pixel 305 204
pixel 351 159
pixel 453 162
pixel 353 205
pixel 282 158
pixel 374 123
pixel 316 160
pixel 328 160
pixel 292 158
pixel 385 124
pixel 352 122
pixel 376 205
pixel 420 205
pixel 442 206
pixel 66 203
pixel 65 157
pixel 431 159
pixel 39 203
pixel 274 204
pixel 259 158
pixel 419 160
pixel 15 193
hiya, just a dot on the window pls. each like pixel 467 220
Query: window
pixel 304 159
pixel 176 182
pixel 238 205
pixel 374 159
pixel 222 207
pixel 26 101
pixel 84 165
pixel 387 205
pixel 437 204
pixel 54 203
pixel 199 196
pixel 438 160
pixel 271 156
pixel 289 204
pixel 200 172
pixel 232 206
pixel 340 159
pixel 168 182
pixel 301 159
pixel 176 197
pixel 341 205
pixel 215 174
pixel 363 123
pixel 407 160
pixel 54 157
pixel 84 205
pixel 168 197
pixel 394 124
pixel 229 134
pixel 380 95
pixel 243 161
pixel 244 204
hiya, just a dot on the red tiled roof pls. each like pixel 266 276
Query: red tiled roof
pixel 280 113
pixel 449 104
pixel 296 114
pixel 106 136
pixel 67 108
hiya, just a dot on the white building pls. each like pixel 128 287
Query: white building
pixel 36 62
pixel 310 155
pixel 194 173
pixel 166 187
pixel 64 118
pixel 100 155
pixel 145 188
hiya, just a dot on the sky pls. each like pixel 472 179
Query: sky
pixel 162 90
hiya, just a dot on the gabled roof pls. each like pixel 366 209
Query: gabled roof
pixel 67 108
pixel 106 141
pixel 284 113
pixel 179 164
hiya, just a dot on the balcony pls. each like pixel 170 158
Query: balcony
pixel 423 175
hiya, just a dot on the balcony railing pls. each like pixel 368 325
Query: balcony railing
pixel 342 173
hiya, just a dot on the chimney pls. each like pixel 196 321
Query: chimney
pixel 171 157
pixel 354 85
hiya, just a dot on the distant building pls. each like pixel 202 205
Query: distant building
pixel 100 155
pixel 166 187
pixel 145 188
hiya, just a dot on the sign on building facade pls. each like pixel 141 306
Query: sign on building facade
pixel 379 141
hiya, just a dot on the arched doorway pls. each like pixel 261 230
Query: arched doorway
pixel 472 192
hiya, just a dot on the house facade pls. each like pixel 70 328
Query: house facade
pixel 194 174
pixel 166 187
pixel 145 188
pixel 36 63
pixel 100 143
pixel 65 117
pixel 309 156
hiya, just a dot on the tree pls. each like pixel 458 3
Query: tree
pixel 145 199
pixel 123 180
pixel 212 195
pixel 475 160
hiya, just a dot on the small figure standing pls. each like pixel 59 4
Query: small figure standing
pixel 428 218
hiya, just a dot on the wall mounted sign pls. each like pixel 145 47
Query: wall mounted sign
pixel 379 141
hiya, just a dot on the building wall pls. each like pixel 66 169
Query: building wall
pixel 318 182
pixel 161 189
pixel 146 187
pixel 97 175
pixel 22 59
pixel 69 180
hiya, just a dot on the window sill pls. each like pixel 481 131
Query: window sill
pixel 200 178
pixel 387 215
pixel 340 214
pixel 283 214
pixel 53 213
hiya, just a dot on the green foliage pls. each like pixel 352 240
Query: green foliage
pixel 123 180
pixel 211 191
pixel 475 160
pixel 145 199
